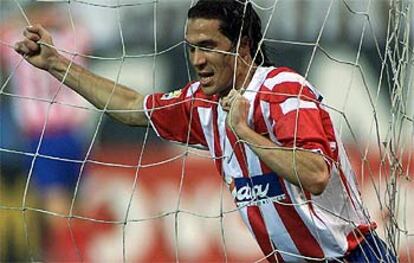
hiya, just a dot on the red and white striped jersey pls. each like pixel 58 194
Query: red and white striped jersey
pixel 289 223
pixel 36 89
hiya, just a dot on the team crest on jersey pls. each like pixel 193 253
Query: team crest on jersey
pixel 257 190
pixel 171 95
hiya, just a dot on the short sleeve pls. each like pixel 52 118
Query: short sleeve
pixel 174 117
pixel 299 123
pixel 297 116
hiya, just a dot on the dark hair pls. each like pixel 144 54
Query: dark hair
pixel 232 18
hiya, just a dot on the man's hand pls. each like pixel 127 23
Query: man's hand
pixel 40 56
pixel 309 170
pixel 237 107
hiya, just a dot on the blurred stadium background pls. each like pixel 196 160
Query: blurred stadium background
pixel 107 191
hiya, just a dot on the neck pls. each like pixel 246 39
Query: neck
pixel 244 75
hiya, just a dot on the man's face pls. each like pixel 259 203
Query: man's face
pixel 206 45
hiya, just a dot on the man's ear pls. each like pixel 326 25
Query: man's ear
pixel 244 50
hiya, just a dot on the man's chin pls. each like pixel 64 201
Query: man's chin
pixel 208 90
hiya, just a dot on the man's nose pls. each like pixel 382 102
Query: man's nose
pixel 198 58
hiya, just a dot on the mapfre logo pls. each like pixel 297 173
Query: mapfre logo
pixel 257 190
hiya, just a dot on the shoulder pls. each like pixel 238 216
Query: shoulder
pixel 284 82
pixel 192 89
pixel 190 92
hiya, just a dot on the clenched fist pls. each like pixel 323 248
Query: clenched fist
pixel 237 107
pixel 33 51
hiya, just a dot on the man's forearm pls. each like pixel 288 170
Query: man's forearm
pixel 100 91
pixel 302 168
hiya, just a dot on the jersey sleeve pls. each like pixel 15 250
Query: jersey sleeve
pixel 298 118
pixel 173 117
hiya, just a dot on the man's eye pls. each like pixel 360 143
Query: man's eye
pixel 192 48
pixel 207 49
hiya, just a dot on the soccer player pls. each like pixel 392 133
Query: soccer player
pixel 271 138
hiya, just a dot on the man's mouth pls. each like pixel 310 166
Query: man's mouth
pixel 205 77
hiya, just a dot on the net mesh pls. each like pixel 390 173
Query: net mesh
pixel 126 192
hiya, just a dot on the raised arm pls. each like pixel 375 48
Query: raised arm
pixel 97 90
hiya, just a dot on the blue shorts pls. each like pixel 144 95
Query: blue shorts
pixel 371 250
pixel 48 173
